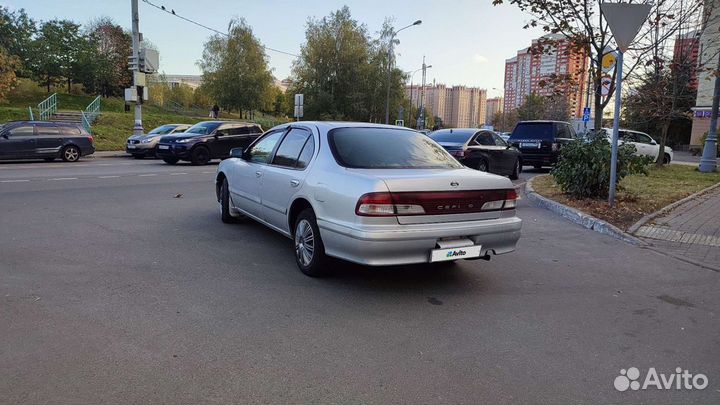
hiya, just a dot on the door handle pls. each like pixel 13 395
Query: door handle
pixel 258 173
pixel 294 182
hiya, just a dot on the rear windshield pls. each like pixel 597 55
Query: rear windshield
pixel 533 130
pixel 445 135
pixel 386 148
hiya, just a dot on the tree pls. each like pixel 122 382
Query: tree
pixel 505 121
pixel 582 23
pixel 110 47
pixel 532 109
pixel 235 69
pixel 16 33
pixel 343 72
pixel 8 65
pixel 50 52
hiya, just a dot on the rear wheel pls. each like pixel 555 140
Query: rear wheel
pixel 200 156
pixel 666 159
pixel 70 153
pixel 309 249
pixel 482 165
pixel 170 160
pixel 516 170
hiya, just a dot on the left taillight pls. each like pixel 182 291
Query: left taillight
pixel 91 139
pixel 457 153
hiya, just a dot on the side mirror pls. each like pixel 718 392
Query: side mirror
pixel 653 142
pixel 5 135
pixel 237 153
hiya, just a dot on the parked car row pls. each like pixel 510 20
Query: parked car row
pixel 199 143
pixel 45 140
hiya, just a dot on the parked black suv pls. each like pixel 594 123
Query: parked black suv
pixel 540 141
pixel 44 140
pixel 207 140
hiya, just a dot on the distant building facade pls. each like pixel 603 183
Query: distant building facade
pixel 687 51
pixel 532 71
pixel 193 81
pixel 494 107
pixel 709 48
pixel 456 106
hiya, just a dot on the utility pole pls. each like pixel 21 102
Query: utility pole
pixel 138 128
pixel 708 163
pixel 421 118
pixel 390 65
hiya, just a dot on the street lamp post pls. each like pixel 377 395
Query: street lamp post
pixel 389 70
pixel 708 163
pixel 412 75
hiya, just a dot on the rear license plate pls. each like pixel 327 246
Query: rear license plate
pixel 164 147
pixel 441 255
pixel 535 145
pixel 130 146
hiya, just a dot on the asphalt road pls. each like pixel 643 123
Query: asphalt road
pixel 112 290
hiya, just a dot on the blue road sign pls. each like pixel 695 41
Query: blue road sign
pixel 586 114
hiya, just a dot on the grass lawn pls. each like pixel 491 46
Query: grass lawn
pixel 114 125
pixel 638 196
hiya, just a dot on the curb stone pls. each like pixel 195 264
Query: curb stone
pixel 647 218
pixel 579 217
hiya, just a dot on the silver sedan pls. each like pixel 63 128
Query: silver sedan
pixel 141 146
pixel 370 194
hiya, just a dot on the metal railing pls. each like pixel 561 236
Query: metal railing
pixel 90 114
pixel 48 107
pixel 32 117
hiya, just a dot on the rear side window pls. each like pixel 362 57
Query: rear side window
pixel 533 130
pixel 47 130
pixel 306 153
pixel 387 148
pixel 290 148
pixel 70 131
pixel 485 139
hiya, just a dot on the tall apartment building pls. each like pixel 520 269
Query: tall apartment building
pixel 531 71
pixel 457 106
pixel 494 107
pixel 687 51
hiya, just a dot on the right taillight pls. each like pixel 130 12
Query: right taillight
pixel 384 204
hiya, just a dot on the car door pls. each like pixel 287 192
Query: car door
pixel 648 145
pixel 219 141
pixel 18 142
pixel 49 139
pixel 508 155
pixel 246 175
pixel 484 147
pixel 285 175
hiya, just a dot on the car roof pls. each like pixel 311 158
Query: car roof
pixel 543 121
pixel 328 125
pixel 59 123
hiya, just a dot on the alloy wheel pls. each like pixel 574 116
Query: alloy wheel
pixel 304 242
pixel 71 154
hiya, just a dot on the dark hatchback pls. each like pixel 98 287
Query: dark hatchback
pixel 207 140
pixel 540 141
pixel 480 149
pixel 45 140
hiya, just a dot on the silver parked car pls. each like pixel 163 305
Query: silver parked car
pixel 141 146
pixel 366 193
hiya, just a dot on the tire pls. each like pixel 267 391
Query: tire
pixel 225 205
pixel 517 169
pixel 200 156
pixel 306 234
pixel 482 165
pixel 666 159
pixel 171 160
pixel 49 159
pixel 136 156
pixel 70 153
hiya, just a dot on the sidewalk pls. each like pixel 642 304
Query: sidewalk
pixel 690 231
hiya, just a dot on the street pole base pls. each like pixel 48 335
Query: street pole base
pixel 708 163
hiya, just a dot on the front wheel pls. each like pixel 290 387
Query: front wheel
pixel 70 153
pixel 171 160
pixel 309 249
pixel 516 170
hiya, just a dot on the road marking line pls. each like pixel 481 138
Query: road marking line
pixel 207 172
pixel 147 175
pixel 107 177
pixel 177 174
pixel 13 181
pixel 63 178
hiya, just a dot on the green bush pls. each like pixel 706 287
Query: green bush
pixel 583 168
pixel 702 144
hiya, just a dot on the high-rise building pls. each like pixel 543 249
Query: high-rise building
pixel 707 62
pixel 494 107
pixel 550 66
pixel 687 52
pixel 457 106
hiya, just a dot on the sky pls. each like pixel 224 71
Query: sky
pixel 466 41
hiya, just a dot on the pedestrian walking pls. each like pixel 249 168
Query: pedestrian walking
pixel 216 111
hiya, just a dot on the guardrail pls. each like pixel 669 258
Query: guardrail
pixel 48 107
pixel 90 114
pixel 32 118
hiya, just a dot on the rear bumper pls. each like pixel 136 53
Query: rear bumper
pixel 409 244
pixel 87 150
